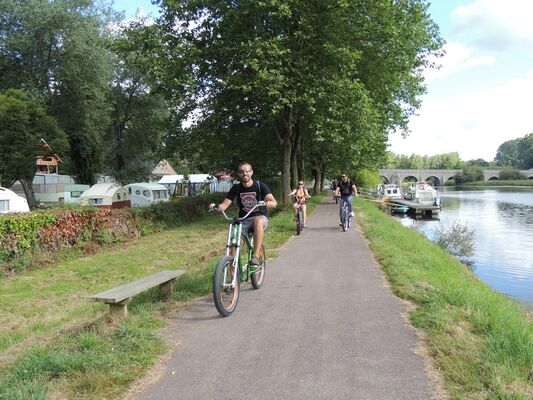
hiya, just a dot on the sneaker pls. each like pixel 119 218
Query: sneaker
pixel 352 214
pixel 340 223
pixel 255 261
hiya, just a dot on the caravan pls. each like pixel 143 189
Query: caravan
pixel 145 194
pixel 106 195
pixel 10 202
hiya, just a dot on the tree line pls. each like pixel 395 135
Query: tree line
pixel 299 88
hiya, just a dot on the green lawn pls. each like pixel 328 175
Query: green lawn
pixel 53 344
pixel 482 342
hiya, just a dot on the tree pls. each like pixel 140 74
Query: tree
pixel 525 152
pixel 507 153
pixel 313 78
pixel 23 123
pixel 56 50
pixel 139 113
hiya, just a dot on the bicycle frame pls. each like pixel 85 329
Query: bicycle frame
pixel 345 211
pixel 234 242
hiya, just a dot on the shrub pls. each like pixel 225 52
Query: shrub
pixel 511 175
pixel 456 238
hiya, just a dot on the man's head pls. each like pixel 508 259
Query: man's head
pixel 245 172
pixel 344 177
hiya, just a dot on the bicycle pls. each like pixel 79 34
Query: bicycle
pixel 299 219
pixel 231 270
pixel 346 216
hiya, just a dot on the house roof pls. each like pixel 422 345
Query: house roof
pixel 46 150
pixel 163 168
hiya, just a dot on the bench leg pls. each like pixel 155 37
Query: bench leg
pixel 165 289
pixel 119 310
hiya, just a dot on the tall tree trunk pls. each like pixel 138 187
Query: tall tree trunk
pixel 317 178
pixel 283 128
pixel 27 186
pixel 322 177
pixel 286 170
pixel 300 157
pixel 294 166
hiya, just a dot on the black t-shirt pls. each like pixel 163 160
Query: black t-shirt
pixel 247 198
pixel 345 188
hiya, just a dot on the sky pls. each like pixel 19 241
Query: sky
pixel 481 95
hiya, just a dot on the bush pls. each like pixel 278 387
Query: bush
pixel 457 239
pixel 511 175
pixel 179 211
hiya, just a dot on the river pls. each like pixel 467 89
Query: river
pixel 502 221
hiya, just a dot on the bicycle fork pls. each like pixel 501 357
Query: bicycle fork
pixel 233 242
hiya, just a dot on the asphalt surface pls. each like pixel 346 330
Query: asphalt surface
pixel 323 326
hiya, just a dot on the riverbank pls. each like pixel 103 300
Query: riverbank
pixel 481 341
pixel 523 182
pixel 55 345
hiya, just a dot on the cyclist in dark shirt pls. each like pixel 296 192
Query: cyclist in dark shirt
pixel 247 193
pixel 346 189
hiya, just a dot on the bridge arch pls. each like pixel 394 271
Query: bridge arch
pixel 433 181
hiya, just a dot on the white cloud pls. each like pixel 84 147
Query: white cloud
pixel 473 124
pixel 457 58
pixel 496 24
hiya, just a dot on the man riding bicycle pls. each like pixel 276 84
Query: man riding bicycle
pixel 346 189
pixel 247 193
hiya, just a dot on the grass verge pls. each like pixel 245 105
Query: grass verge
pixel 55 345
pixel 481 341
pixel 523 182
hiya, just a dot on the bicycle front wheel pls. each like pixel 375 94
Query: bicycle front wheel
pixel 299 222
pixel 344 221
pixel 225 292
pixel 258 275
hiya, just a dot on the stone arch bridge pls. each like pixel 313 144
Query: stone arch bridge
pixel 438 176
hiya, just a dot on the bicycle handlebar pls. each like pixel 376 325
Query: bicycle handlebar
pixel 259 204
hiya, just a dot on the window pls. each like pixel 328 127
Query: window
pixel 146 193
pixel 138 192
pixel 118 196
pixel 160 194
pixel 96 201
pixel 75 194
pixel 129 190
pixel 4 205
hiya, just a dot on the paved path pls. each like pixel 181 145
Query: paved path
pixel 323 326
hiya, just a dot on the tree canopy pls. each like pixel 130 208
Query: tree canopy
pixel 303 84
pixel 23 123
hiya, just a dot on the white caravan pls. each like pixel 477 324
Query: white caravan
pixel 144 194
pixel 10 202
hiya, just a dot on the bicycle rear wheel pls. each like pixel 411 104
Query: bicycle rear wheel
pixel 299 222
pixel 225 294
pixel 258 276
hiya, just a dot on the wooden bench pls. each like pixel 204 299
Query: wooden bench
pixel 119 297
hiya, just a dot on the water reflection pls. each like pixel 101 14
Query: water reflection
pixel 502 219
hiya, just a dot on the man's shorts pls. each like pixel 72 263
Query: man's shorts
pixel 248 224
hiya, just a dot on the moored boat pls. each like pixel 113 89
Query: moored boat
pixel 423 193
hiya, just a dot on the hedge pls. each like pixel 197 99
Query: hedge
pixel 25 237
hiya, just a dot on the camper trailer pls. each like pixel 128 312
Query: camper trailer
pixel 10 202
pixel 145 194
pixel 106 195
pixel 73 193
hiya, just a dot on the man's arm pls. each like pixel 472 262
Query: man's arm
pixel 222 206
pixel 354 190
pixel 270 201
